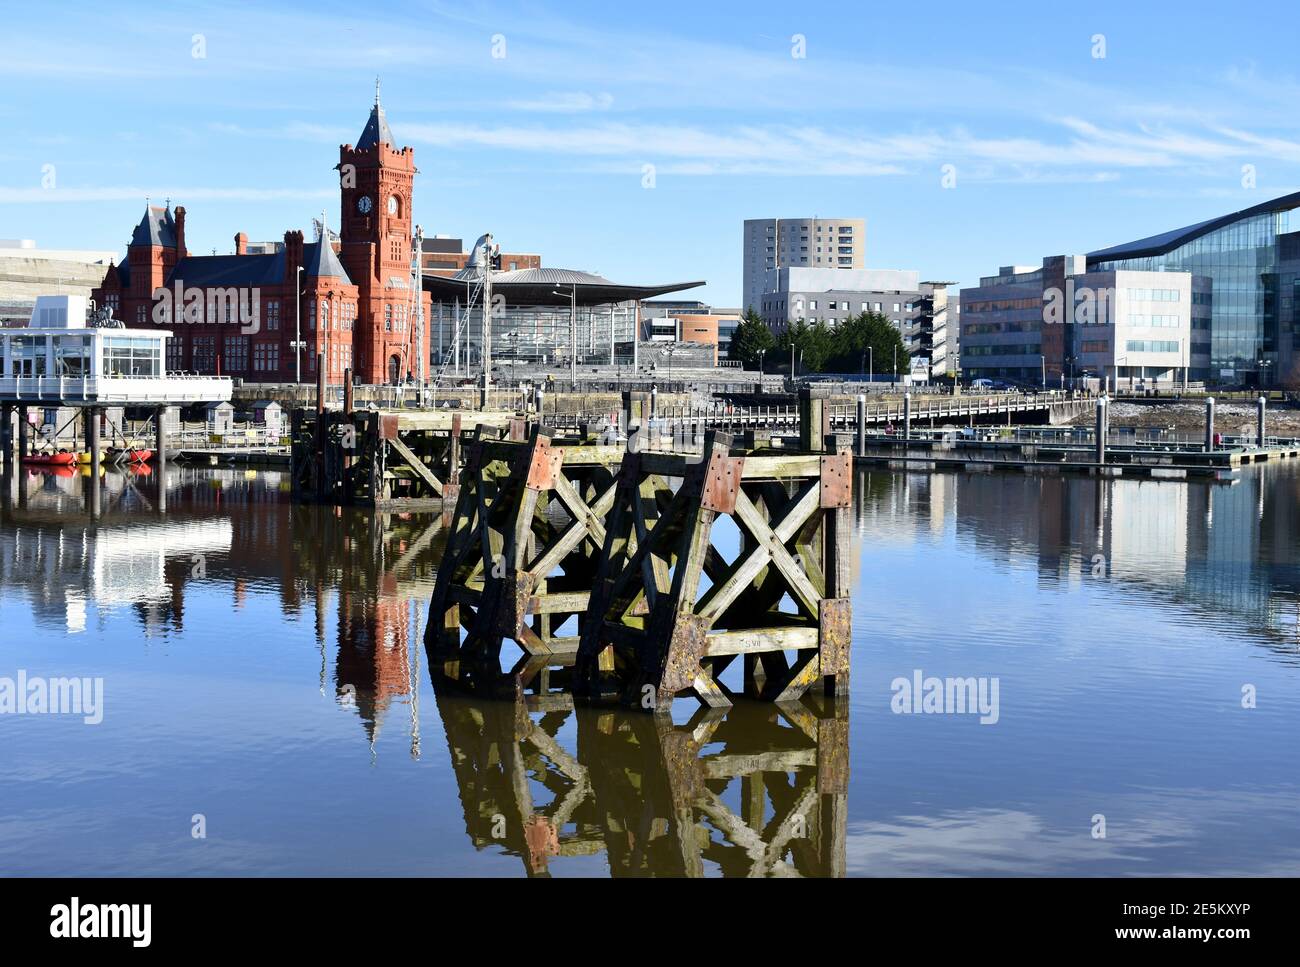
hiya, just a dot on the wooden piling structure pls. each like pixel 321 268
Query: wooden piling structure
pixel 387 459
pixel 524 549
pixel 661 634
pixel 593 561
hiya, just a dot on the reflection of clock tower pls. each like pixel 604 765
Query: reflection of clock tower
pixel 375 180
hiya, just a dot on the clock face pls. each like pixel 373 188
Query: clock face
pixel 392 204
pixel 364 204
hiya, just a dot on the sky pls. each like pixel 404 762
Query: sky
pixel 633 139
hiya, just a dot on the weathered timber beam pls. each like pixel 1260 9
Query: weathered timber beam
pixel 559 603
pixel 444 419
pixel 781 467
pixel 803 589
pixel 741 764
pixel 417 465
pixel 739 576
pixel 750 640
pixel 586 524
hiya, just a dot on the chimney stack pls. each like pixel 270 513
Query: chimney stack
pixel 179 215
pixel 292 256
pixel 241 244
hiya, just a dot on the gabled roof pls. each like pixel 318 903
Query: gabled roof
pixel 228 270
pixel 1168 241
pixel 257 270
pixel 321 262
pixel 156 228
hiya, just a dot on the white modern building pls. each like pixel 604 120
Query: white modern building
pixel 816 243
pixel 1042 324
pixel 63 354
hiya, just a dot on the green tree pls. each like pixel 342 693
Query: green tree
pixel 863 335
pixel 813 343
pixel 751 340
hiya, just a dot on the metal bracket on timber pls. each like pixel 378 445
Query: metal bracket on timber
pixel 526 538
pixel 654 631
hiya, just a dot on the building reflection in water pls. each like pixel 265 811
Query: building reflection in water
pixel 1218 548
pixel 757 790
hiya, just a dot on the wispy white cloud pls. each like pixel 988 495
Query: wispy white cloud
pixel 1090 151
pixel 565 102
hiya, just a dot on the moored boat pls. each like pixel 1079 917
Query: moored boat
pixel 52 458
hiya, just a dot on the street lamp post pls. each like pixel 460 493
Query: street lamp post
pixel 573 332
pixel 297 327
pixel 871 364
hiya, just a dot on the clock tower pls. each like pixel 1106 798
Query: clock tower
pixel 375 185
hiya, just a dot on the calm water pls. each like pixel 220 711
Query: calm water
pixel 263 681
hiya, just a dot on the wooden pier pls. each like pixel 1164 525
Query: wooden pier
pixel 600 563
pixel 408 459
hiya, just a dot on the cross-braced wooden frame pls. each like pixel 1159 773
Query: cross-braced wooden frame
pixel 526 537
pixel 675 613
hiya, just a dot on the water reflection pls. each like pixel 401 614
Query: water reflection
pixel 1047 581
pixel 1224 549
pixel 758 790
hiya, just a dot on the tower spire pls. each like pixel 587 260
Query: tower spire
pixel 376 90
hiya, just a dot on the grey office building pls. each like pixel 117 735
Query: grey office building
pixel 809 243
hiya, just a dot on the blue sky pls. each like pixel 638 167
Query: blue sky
pixel 1054 150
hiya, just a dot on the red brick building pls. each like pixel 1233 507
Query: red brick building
pixel 237 315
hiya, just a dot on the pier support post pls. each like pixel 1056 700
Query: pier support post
pixel 862 424
pixel 907 416
pixel 814 419
pixel 1209 424
pixel 6 437
pixel 91 416
pixel 1261 406
pixel 160 455
pixel 1101 431
pixel 160 436
pixel 22 433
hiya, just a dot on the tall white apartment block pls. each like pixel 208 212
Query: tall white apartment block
pixel 805 243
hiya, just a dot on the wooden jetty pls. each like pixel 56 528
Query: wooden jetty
pixel 600 563
pixel 384 459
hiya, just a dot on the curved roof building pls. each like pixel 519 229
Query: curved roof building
pixel 1252 258
pixel 541 314
pixel 539 287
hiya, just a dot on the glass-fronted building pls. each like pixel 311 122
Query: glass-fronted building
pixel 64 354
pixel 1252 259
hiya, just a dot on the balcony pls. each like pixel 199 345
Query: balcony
pixel 118 390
